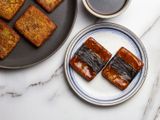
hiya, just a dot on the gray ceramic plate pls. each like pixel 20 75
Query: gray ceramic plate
pixel 25 54
pixel 99 91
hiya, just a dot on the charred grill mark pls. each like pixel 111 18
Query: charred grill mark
pixel 122 68
pixel 89 57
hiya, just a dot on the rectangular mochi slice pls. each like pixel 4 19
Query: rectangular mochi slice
pixel 89 60
pixel 49 5
pixel 8 8
pixel 8 39
pixel 35 26
pixel 123 67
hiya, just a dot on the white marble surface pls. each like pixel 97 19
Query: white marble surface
pixel 42 93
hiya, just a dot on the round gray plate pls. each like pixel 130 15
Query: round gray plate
pixel 99 91
pixel 25 54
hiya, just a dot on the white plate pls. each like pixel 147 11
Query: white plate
pixel 99 91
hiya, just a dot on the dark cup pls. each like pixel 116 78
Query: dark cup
pixel 106 8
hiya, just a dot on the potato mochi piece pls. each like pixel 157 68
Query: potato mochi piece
pixel 35 26
pixel 8 8
pixel 122 69
pixel 89 60
pixel 49 5
pixel 8 39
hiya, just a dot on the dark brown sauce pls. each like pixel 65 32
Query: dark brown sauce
pixel 106 6
pixel 126 71
pixel 89 57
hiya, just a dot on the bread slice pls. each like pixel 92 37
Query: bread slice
pixel 35 26
pixel 8 39
pixel 8 8
pixel 49 5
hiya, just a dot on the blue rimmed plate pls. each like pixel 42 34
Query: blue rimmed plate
pixel 99 91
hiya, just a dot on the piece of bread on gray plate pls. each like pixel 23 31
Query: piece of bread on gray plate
pixel 49 5
pixel 8 8
pixel 8 39
pixel 35 26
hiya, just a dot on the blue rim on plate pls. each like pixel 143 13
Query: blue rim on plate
pixel 78 41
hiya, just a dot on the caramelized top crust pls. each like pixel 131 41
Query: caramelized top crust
pixel 8 8
pixel 130 58
pixel 8 39
pixel 104 54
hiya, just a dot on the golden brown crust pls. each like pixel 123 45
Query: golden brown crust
pixel 8 39
pixel 49 5
pixel 8 8
pixel 35 26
